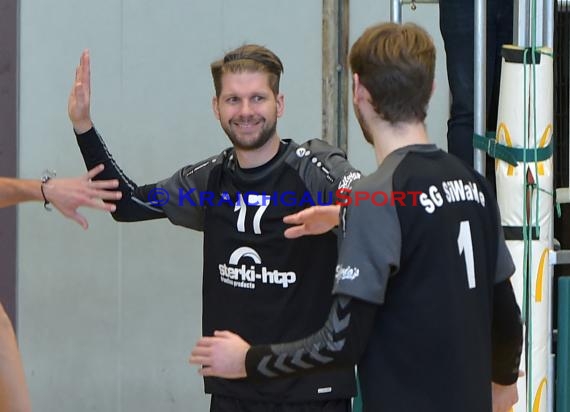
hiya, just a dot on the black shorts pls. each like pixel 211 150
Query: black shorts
pixel 225 404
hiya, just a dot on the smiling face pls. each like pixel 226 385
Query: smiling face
pixel 248 109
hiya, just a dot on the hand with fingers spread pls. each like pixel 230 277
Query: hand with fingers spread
pixel 314 220
pixel 67 194
pixel 78 105
pixel 221 355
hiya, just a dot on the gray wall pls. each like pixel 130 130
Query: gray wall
pixel 108 317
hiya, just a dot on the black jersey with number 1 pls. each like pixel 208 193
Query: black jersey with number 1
pixel 429 257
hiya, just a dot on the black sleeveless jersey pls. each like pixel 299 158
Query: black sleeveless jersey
pixel 256 282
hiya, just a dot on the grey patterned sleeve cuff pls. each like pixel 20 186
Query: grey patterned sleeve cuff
pixel 340 342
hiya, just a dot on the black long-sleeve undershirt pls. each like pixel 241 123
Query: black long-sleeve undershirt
pixel 135 204
pixel 340 342
pixel 507 335
pixel 344 337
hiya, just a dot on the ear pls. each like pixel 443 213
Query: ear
pixel 359 92
pixel 355 82
pixel 215 107
pixel 280 105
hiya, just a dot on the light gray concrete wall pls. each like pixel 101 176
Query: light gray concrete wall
pixel 108 316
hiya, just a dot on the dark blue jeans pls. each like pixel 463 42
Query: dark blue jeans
pixel 456 22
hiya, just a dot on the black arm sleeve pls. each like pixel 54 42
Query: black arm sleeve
pixel 136 203
pixel 506 333
pixel 340 342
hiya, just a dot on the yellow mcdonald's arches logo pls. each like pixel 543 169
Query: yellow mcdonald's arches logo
pixel 540 275
pixel 543 142
pixel 504 134
pixel 538 396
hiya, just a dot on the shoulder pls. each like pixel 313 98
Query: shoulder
pixel 197 174
pixel 205 166
pixel 316 158
pixel 312 148
pixel 319 147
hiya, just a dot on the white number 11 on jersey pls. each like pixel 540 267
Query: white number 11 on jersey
pixel 466 248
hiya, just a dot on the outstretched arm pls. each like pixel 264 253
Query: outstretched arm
pixel 66 194
pixel 340 342
pixel 313 220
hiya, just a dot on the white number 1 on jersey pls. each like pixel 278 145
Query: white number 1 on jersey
pixel 466 248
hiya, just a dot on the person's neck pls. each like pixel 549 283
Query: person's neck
pixel 248 159
pixel 390 137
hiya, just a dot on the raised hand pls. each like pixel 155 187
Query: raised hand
pixel 78 105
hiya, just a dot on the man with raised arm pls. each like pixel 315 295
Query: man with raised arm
pixel 256 281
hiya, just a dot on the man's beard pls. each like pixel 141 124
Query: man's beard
pixel 363 126
pixel 265 134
